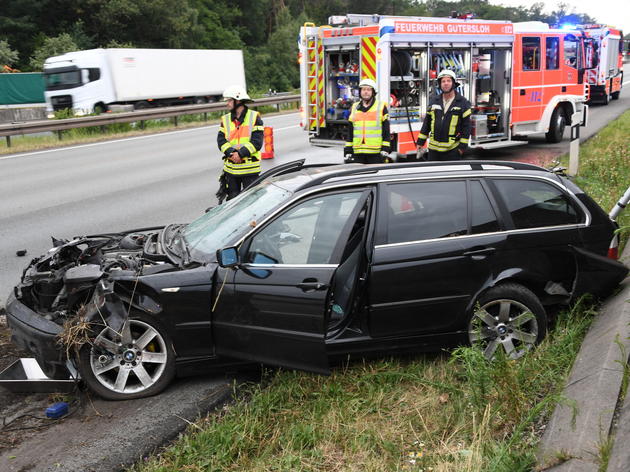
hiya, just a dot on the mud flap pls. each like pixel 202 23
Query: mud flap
pixel 596 274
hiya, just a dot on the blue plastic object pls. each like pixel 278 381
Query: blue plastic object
pixel 57 410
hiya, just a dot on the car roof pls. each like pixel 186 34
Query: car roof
pixel 307 176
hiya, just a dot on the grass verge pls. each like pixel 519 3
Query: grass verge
pixel 118 130
pixel 439 413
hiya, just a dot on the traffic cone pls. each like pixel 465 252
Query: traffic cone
pixel 268 143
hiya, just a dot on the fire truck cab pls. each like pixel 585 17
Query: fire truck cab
pixel 604 61
pixel 520 79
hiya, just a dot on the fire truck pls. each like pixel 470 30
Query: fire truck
pixel 603 56
pixel 521 79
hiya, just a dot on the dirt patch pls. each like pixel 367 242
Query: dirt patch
pixel 21 415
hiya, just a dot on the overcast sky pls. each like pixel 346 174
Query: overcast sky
pixel 611 12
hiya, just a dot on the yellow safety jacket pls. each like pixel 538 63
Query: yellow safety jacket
pixel 238 136
pixel 368 128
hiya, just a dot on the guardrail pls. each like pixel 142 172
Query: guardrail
pixel 13 129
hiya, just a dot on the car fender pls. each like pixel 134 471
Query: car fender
pixel 518 275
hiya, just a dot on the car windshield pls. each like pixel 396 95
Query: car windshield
pixel 217 228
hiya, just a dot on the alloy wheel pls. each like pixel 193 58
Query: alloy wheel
pixel 131 361
pixel 503 324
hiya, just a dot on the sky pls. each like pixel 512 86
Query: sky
pixel 611 12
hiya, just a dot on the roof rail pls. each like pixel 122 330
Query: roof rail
pixel 473 165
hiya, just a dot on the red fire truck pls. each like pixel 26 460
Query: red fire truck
pixel 603 55
pixel 521 79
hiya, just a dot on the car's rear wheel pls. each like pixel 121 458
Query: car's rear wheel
pixel 138 361
pixel 507 318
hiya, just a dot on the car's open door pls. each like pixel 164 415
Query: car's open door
pixel 273 307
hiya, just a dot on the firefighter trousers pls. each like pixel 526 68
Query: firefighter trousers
pixel 236 183
pixel 452 155
pixel 365 158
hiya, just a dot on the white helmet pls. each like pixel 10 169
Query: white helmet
pixel 368 83
pixel 448 73
pixel 237 93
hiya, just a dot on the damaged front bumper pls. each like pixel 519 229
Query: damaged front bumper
pixel 32 332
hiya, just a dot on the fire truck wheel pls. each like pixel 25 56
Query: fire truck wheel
pixel 556 127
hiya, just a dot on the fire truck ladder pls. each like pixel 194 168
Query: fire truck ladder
pixel 314 67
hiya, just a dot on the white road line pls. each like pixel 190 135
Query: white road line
pixel 286 127
pixel 626 82
pixel 133 138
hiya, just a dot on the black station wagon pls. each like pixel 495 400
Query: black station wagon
pixel 316 263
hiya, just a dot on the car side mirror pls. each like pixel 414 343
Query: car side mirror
pixel 228 257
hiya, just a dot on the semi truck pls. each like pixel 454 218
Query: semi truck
pixel 521 78
pixel 91 81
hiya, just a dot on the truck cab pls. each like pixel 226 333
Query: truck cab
pixel 79 81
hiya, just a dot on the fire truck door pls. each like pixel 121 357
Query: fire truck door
pixel 528 79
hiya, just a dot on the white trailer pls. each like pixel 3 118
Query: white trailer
pixel 92 80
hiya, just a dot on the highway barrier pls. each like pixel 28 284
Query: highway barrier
pixel 13 129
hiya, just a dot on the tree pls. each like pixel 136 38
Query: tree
pixel 8 56
pixel 52 47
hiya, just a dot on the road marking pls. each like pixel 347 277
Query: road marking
pixel 626 82
pixel 286 127
pixel 133 138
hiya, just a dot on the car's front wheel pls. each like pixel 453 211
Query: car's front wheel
pixel 138 361
pixel 508 317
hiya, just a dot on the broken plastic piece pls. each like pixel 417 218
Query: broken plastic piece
pixel 20 253
pixel 57 410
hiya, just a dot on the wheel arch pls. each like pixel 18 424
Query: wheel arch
pixel 518 276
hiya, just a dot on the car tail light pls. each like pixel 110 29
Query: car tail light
pixel 613 249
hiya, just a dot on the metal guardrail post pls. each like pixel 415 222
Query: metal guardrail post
pixel 59 134
pixel 8 141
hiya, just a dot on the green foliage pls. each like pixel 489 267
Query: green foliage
pixel 266 30
pixel 7 55
pixel 52 47
pixel 117 44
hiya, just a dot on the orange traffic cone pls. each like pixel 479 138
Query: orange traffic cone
pixel 268 143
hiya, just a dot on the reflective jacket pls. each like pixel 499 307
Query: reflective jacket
pixel 370 129
pixel 448 131
pixel 243 134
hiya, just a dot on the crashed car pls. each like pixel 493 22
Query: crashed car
pixel 313 264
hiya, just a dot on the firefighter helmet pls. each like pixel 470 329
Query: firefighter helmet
pixel 237 93
pixel 448 73
pixel 368 83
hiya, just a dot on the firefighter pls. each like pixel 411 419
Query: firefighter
pixel 369 138
pixel 447 122
pixel 240 139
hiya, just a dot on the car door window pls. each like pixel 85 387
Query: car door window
pixel 426 210
pixel 306 234
pixel 533 203
pixel 483 218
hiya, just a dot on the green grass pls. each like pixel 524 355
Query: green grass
pixel 433 412
pixel 118 130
